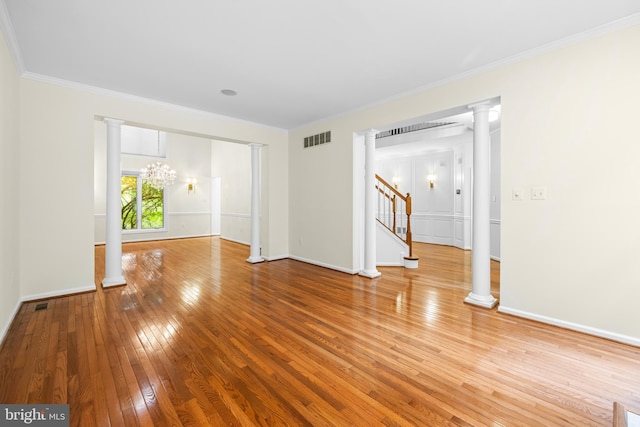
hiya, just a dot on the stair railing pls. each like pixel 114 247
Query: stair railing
pixel 394 211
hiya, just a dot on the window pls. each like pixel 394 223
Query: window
pixel 142 204
pixel 143 142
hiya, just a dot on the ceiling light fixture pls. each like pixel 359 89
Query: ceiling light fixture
pixel 228 92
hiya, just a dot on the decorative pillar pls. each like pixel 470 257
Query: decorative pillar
pixel 254 255
pixel 370 206
pixel 481 238
pixel 113 240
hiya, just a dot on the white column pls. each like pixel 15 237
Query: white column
pixel 481 255
pixel 113 240
pixel 254 255
pixel 370 205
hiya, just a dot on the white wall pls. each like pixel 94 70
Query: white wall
pixel 187 214
pixel 57 128
pixel 232 163
pixel 568 123
pixel 9 189
pixel 320 197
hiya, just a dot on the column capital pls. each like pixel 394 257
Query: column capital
pixel 255 145
pixel 371 132
pixel 113 122
pixel 479 106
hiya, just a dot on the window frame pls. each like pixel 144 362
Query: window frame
pixel 139 229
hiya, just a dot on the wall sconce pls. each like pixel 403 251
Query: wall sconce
pixel 395 181
pixel 431 178
pixel 191 185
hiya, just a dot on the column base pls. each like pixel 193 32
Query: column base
pixel 110 282
pixel 480 300
pixel 371 274
pixel 255 260
pixel 410 262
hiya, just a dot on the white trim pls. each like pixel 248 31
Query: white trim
pixel 235 215
pixel 573 326
pixel 531 53
pixel 10 37
pixel 450 216
pixel 102 215
pixel 495 258
pixel 276 258
pixel 424 215
pixel 10 322
pixel 460 217
pixel 189 213
pixel 322 264
pixel 62 293
pixel 145 230
pixel 135 98
pixel 235 241
pixel 389 264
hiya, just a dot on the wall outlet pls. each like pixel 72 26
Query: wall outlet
pixel 538 193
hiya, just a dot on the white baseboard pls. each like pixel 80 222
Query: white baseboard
pixel 276 258
pixel 6 327
pixel 235 241
pixel 153 239
pixel 389 264
pixel 322 264
pixel 625 339
pixel 61 293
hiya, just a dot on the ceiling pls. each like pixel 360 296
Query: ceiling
pixel 291 62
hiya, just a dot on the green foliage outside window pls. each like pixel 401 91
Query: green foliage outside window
pixel 152 204
pixel 129 198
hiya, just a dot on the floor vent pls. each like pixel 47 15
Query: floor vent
pixel 41 306
pixel 321 138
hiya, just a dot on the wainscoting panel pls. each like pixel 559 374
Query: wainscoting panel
pixel 458 233
pixel 236 226
pixel 433 228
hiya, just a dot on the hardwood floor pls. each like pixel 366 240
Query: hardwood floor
pixel 200 337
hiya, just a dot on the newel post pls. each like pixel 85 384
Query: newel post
pixel 410 261
pixel 409 235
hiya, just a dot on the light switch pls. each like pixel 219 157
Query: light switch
pixel 538 193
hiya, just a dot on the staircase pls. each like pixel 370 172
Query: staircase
pixel 393 213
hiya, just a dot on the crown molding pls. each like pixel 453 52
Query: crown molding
pixel 10 37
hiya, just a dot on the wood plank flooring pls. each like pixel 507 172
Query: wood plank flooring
pixel 200 337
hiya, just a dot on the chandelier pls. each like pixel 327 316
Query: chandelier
pixel 158 175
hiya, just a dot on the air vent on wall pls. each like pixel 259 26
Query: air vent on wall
pixel 411 128
pixel 321 138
